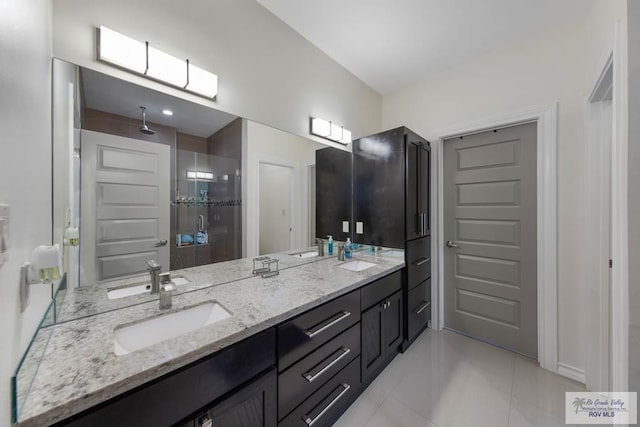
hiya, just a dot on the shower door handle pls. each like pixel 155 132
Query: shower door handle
pixel 200 222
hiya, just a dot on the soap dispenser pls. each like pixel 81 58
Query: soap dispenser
pixel 348 247
pixel 330 244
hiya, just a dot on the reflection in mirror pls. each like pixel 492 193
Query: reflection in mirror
pixel 188 187
pixel 167 185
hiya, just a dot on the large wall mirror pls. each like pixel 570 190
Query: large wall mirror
pixel 144 175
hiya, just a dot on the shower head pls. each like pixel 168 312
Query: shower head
pixel 144 128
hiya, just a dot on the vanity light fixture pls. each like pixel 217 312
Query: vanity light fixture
pixel 139 57
pixel 167 112
pixel 329 130
pixel 199 175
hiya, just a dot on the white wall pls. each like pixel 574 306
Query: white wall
pixel 553 67
pixel 264 143
pixel 25 166
pixel 267 72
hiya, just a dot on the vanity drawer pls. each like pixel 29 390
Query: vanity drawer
pixel 300 336
pixel 418 308
pixel 323 406
pixel 375 292
pixel 418 258
pixel 306 376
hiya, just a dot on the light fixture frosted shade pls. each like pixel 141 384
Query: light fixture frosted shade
pixel 202 82
pixel 167 68
pixel 121 50
pixel 199 175
pixel 141 58
pixel 346 136
pixel 329 130
pixel 320 127
pixel 336 132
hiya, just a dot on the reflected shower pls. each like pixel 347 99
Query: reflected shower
pixel 144 128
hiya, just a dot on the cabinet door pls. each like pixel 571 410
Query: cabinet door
pixel 378 193
pixel 372 343
pixel 333 193
pixel 252 406
pixel 418 182
pixel 413 219
pixel 392 316
pixel 424 204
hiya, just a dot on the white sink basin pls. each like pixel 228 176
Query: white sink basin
pixel 357 265
pixel 305 254
pixel 127 339
pixel 139 289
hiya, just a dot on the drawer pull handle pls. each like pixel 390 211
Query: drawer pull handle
pixel 331 321
pixel 422 261
pixel 312 377
pixel 420 309
pixel 311 421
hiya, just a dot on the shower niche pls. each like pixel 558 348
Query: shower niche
pixel 206 208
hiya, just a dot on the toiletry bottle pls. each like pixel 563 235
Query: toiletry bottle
pixel 348 249
pixel 330 244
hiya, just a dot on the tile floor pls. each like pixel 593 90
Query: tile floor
pixel 448 380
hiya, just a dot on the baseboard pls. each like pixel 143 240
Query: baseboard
pixel 572 373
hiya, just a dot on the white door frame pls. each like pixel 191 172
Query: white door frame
pixel 546 119
pixel 292 198
pixel 599 138
pixel 607 340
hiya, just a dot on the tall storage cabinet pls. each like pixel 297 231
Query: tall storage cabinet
pixel 378 189
pixel 333 193
pixel 391 208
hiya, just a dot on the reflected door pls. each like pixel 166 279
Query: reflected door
pixel 275 208
pixel 125 206
pixel 490 226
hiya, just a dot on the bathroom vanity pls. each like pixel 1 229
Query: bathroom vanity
pixel 291 353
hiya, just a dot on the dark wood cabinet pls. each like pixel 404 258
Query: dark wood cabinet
pixel 333 193
pixel 301 335
pixel 180 394
pixel 308 369
pixel 313 348
pixel 418 285
pixel 417 186
pixel 325 406
pixel 391 187
pixel 382 333
pixel 254 405
pixel 418 309
pixel 378 189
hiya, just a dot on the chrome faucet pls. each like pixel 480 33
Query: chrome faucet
pixel 154 271
pixel 320 244
pixel 340 251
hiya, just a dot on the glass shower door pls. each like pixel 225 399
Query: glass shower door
pixel 206 213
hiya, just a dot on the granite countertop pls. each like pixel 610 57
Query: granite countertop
pixel 91 300
pixel 79 368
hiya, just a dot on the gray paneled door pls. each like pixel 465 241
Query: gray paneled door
pixel 490 234
pixel 125 206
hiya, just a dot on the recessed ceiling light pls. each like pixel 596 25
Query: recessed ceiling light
pixel 167 112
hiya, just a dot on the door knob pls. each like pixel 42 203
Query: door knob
pixel 450 244
pixel 160 243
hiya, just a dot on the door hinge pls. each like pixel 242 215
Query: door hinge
pixel 610 263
